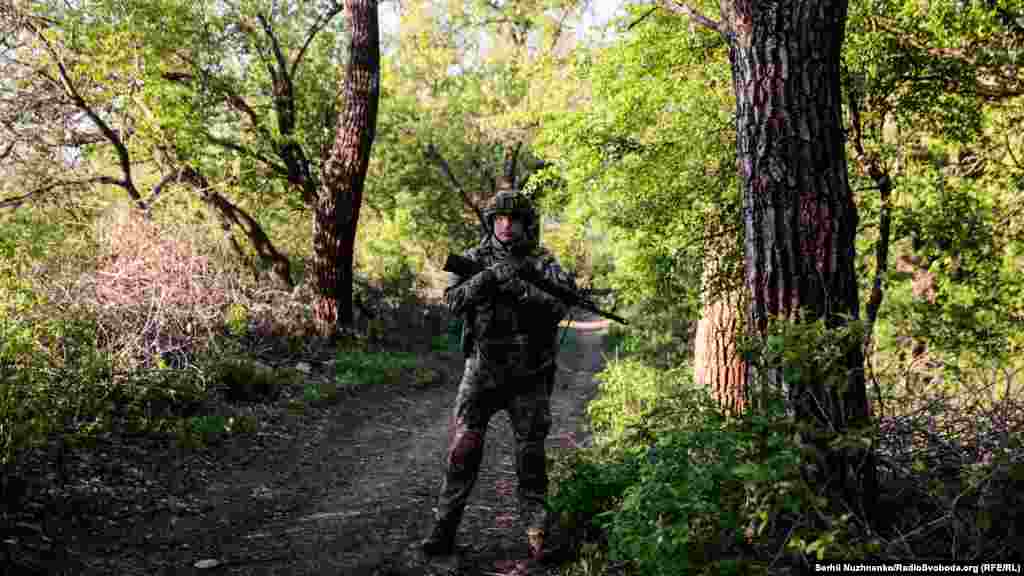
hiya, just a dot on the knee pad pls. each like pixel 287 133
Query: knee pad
pixel 466 449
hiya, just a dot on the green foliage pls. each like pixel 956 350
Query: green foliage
pixel 321 392
pixel 648 167
pixel 686 503
pixel 236 319
pixel 461 91
pixel 198 432
pixel 49 365
pixel 247 381
pixel 658 341
pixel 588 484
pixel 804 353
pixel 23 417
pixel 635 398
pixel 906 59
pixel 938 115
pixel 75 362
pixel 451 340
pixel 959 246
pixel 358 368
pixel 390 255
pixel 676 487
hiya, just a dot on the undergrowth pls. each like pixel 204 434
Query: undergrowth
pixel 674 486
pixel 118 323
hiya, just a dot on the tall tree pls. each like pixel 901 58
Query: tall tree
pixel 234 101
pixel 799 216
pixel 336 213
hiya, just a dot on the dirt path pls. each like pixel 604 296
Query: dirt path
pixel 341 490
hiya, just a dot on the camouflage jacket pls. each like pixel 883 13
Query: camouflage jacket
pixel 513 325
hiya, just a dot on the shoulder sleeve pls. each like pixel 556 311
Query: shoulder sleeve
pixel 463 292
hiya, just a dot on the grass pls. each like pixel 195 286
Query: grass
pixel 359 368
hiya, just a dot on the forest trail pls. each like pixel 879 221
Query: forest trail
pixel 346 490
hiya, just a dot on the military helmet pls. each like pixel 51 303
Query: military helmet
pixel 512 203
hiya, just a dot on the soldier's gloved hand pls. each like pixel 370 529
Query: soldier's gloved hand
pixel 504 271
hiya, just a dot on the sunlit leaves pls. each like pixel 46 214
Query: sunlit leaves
pixel 649 161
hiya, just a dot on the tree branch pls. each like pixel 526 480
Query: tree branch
pixel 296 165
pixel 124 158
pixel 231 96
pixel 872 166
pixel 284 103
pixel 159 187
pixel 511 159
pixel 486 172
pixel 432 153
pixel 234 215
pixel 231 145
pixel 284 99
pixel 315 29
pixel 645 16
pixel 18 201
pixel 687 10
pixel 7 151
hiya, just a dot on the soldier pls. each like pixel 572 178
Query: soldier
pixel 510 341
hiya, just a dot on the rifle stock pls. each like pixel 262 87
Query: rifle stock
pixel 465 267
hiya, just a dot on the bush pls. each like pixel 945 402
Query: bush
pixel 590 483
pixel 155 298
pixel 117 324
pixel 23 418
pixel 675 486
pixel 638 400
pixel 52 378
pixel 389 257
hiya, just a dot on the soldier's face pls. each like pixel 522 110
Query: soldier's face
pixel 507 228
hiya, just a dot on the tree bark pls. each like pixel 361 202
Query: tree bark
pixel 336 212
pixel 799 215
pixel 716 361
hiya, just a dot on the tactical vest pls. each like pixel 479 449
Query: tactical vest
pixel 508 334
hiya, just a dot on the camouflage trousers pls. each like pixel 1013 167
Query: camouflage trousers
pixel 483 392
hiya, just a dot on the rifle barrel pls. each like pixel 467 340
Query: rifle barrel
pixel 464 267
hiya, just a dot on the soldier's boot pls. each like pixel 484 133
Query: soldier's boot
pixel 441 540
pixel 535 539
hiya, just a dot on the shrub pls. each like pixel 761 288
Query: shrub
pixel 118 323
pixel 678 487
pixel 389 256
pixel 154 297
pixel 588 483
pixel 23 418
pixel 639 400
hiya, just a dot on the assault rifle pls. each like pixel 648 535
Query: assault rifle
pixel 465 267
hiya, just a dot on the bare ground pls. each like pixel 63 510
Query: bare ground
pixel 343 489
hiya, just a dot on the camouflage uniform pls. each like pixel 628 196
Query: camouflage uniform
pixel 510 340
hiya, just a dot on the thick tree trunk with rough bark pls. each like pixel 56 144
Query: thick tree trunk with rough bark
pixel 336 211
pixel 800 218
pixel 716 361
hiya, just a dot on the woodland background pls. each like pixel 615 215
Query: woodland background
pixel 165 167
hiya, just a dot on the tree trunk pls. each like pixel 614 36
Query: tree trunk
pixel 716 362
pixel 336 212
pixel 800 218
